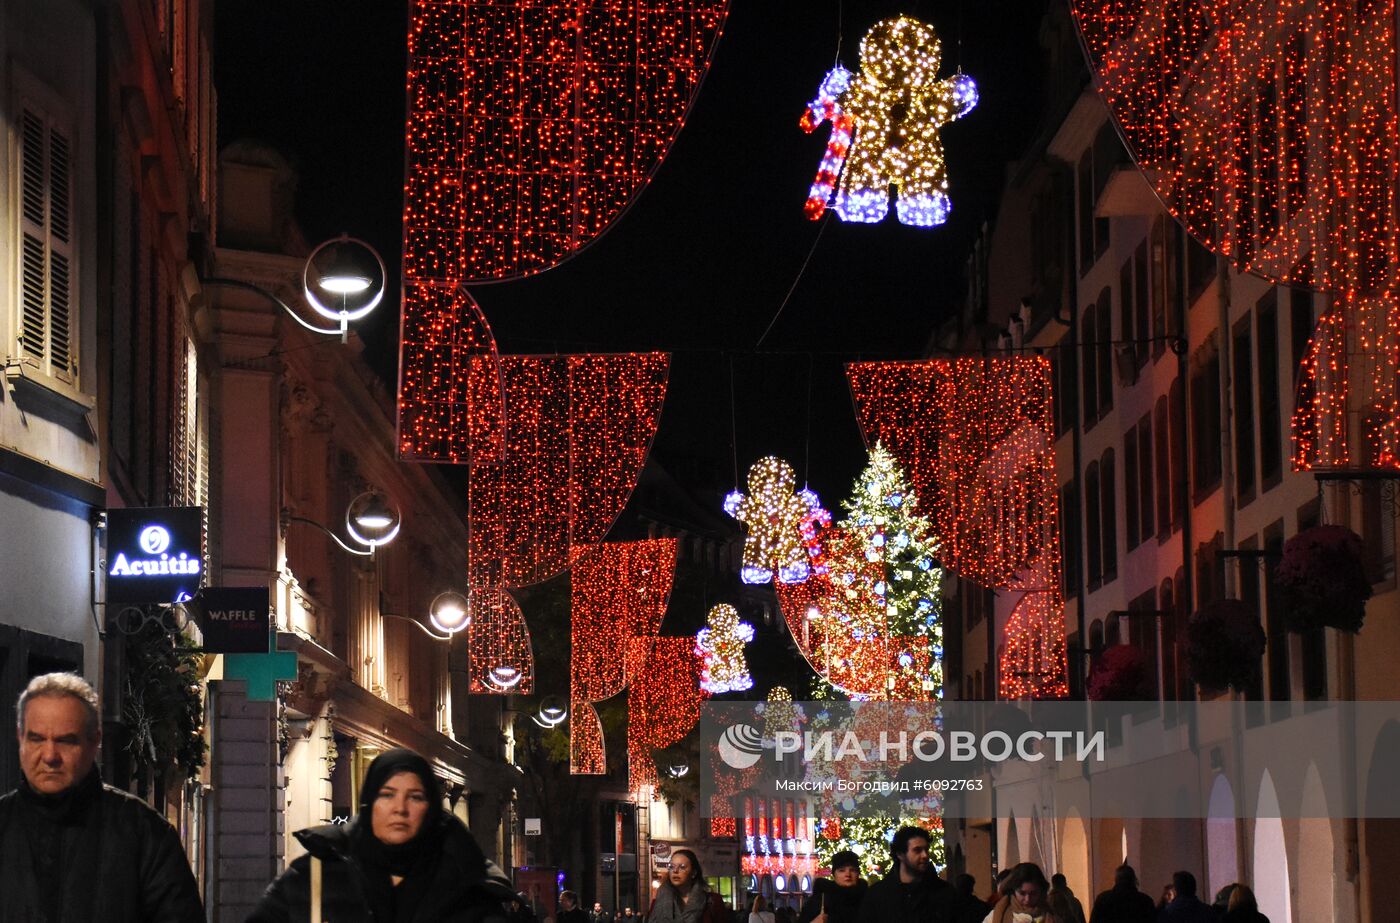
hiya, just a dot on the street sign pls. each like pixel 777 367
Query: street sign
pixel 532 826
pixel 234 620
pixel 154 554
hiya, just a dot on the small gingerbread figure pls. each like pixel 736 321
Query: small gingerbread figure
pixel 895 107
pixel 777 516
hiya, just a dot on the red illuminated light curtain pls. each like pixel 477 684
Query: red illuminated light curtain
pixel 1269 129
pixel 976 437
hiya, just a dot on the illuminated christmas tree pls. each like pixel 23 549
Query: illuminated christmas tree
pixel 882 515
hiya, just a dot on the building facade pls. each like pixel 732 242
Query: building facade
pixel 1175 382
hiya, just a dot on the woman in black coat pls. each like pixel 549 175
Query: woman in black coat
pixel 839 896
pixel 401 860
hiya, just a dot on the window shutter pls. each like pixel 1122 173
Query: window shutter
pixel 60 256
pixel 33 312
pixel 46 336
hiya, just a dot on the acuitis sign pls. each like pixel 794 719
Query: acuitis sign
pixel 154 555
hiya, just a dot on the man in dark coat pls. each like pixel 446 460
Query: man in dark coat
pixel 74 849
pixel 570 911
pixel 1123 903
pixel 1186 907
pixel 912 892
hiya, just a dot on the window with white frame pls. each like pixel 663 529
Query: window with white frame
pixel 46 322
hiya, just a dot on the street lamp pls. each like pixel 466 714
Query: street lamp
pixel 552 713
pixel 504 678
pixel 347 271
pixel 370 519
pixel 449 612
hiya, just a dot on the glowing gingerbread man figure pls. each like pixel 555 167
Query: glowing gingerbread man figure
pixel 896 107
pixel 775 513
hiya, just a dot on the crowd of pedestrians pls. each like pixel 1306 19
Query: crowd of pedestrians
pixel 86 851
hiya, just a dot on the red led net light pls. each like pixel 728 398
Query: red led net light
pixel 587 755
pixel 976 438
pixel 663 701
pixel 618 591
pixel 532 126
pixel 722 828
pixel 451 399
pixel 502 661
pixel 578 429
pixel 1270 132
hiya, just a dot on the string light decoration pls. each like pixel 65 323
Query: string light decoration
pixel 502 661
pixel 827 108
pixel 882 514
pixel 618 591
pixel 976 438
pixel 451 397
pixel 663 701
pixel 1268 129
pixel 720 647
pixel 587 754
pixel 896 106
pixel 578 429
pixel 778 518
pixel 532 127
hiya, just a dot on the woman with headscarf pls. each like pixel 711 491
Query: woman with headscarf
pixel 684 897
pixel 836 899
pixel 401 860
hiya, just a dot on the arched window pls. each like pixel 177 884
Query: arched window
pixel 1089 367
pixel 1093 526
pixel 1104 338
pixel 1109 507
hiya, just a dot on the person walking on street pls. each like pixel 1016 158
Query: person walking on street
pixel 1243 908
pixel 912 892
pixel 75 849
pixel 1060 888
pixel 1123 903
pixel 569 910
pixel 599 915
pixel 1185 906
pixel 403 859
pixel 836 899
pixel 684 897
pixel 1024 900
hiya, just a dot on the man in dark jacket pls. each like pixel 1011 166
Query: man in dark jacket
pixel 1186 907
pixel 570 911
pixel 75 849
pixel 1123 903
pixel 912 892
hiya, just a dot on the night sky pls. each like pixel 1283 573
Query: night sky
pixel 701 263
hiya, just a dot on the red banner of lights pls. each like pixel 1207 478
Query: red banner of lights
pixel 578 429
pixel 451 399
pixel 618 591
pixel 663 701
pixel 532 126
pixel 976 438
pixel 502 661
pixel 1270 131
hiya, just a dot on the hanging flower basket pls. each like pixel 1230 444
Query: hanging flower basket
pixel 1120 674
pixel 1323 579
pixel 1224 646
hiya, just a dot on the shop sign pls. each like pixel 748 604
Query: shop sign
pixel 234 619
pixel 154 554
